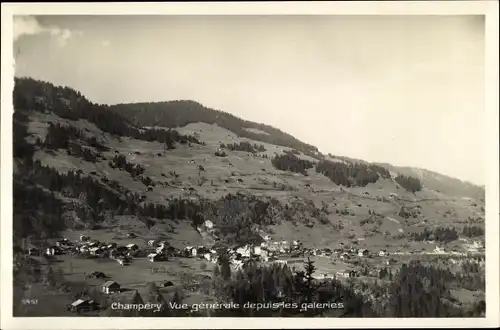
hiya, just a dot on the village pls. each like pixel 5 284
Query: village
pixel 342 262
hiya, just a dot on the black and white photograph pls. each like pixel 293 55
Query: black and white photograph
pixel 249 165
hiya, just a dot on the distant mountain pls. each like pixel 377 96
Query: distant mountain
pixel 183 112
pixel 439 182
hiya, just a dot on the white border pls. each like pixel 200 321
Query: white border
pixel 488 8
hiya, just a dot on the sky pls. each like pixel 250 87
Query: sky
pixel 406 90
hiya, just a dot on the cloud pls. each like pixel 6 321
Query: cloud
pixel 28 25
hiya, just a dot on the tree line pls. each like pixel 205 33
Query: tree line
pixel 351 174
pixel 436 234
pixel 289 162
pixel 472 231
pixel 121 162
pixel 244 146
pixel 409 183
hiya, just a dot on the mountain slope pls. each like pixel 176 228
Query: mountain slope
pixel 439 182
pixel 183 112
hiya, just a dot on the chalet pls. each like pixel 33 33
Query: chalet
pixel 239 181
pixel 209 224
pixel 110 287
pixel 111 245
pixel 151 242
pixel 131 235
pixel 62 242
pixel 132 246
pixel 342 274
pixel 264 256
pixel 439 250
pixel 161 249
pixel 383 253
pixel 84 238
pixel 191 161
pixel 153 257
pixel 345 256
pixel 167 284
pixel 33 251
pixel 50 251
pixel 363 252
pixel 245 251
pixel 83 305
pixel 93 244
pixel 94 250
pixel 123 261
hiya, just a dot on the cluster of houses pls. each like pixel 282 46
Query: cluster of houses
pixel 162 251
pixel 121 253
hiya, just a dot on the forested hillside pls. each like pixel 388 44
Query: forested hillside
pixel 182 112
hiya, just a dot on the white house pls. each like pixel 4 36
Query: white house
pixel 209 224
pixel 50 251
pixel 438 250
pixel 344 256
pixel 153 257
pixel 132 246
pixel 264 255
pixel 257 250
pixel 94 250
pixel 94 244
pixel 245 251
pixel 110 287
pixel 194 252
pixel 382 253
pixel 151 242
pixel 161 249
